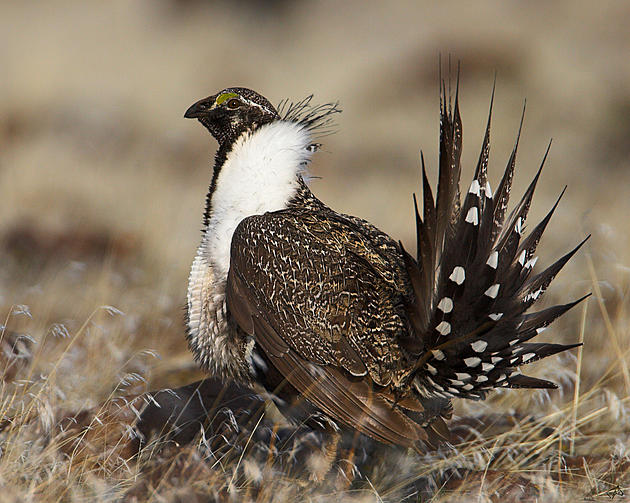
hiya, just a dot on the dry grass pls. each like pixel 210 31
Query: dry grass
pixel 68 411
pixel 102 185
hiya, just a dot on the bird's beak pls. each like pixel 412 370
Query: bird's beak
pixel 201 108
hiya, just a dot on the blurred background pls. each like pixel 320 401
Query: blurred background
pixel 102 181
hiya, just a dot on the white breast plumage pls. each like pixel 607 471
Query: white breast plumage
pixel 260 174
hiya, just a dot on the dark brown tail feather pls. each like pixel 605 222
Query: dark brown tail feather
pixel 472 276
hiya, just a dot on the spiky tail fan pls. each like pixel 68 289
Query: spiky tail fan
pixel 473 280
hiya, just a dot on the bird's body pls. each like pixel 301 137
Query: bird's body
pixel 308 302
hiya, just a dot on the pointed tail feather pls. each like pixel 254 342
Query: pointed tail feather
pixel 472 278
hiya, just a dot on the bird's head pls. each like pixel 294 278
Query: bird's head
pixel 231 112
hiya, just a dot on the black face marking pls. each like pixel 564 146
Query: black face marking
pixel 227 120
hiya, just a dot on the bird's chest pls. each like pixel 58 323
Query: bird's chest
pixel 212 337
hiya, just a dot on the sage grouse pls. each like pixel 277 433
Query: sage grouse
pixel 288 293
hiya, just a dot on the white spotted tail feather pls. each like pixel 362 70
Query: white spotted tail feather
pixel 473 279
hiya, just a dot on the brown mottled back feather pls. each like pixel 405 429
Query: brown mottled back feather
pixel 326 306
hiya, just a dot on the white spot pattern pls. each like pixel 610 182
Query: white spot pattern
pixel 531 263
pixel 493 291
pixel 474 188
pixel 473 361
pixel 479 346
pixel 437 354
pixel 444 328
pixel 472 217
pixel 493 259
pixel 458 275
pixel 488 190
pixel 445 305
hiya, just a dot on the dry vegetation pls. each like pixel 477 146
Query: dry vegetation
pixel 101 189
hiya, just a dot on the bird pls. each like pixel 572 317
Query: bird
pixel 325 310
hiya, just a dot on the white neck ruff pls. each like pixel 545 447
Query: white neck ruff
pixel 260 174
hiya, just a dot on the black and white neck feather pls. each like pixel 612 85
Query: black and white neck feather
pixel 262 158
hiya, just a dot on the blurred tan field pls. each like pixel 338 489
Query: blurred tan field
pixel 102 187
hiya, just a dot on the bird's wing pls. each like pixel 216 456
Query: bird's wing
pixel 324 316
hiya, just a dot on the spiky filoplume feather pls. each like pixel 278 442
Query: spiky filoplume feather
pixel 314 304
pixel 472 277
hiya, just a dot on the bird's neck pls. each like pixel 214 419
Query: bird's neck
pixel 258 173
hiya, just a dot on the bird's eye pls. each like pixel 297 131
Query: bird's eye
pixel 234 103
